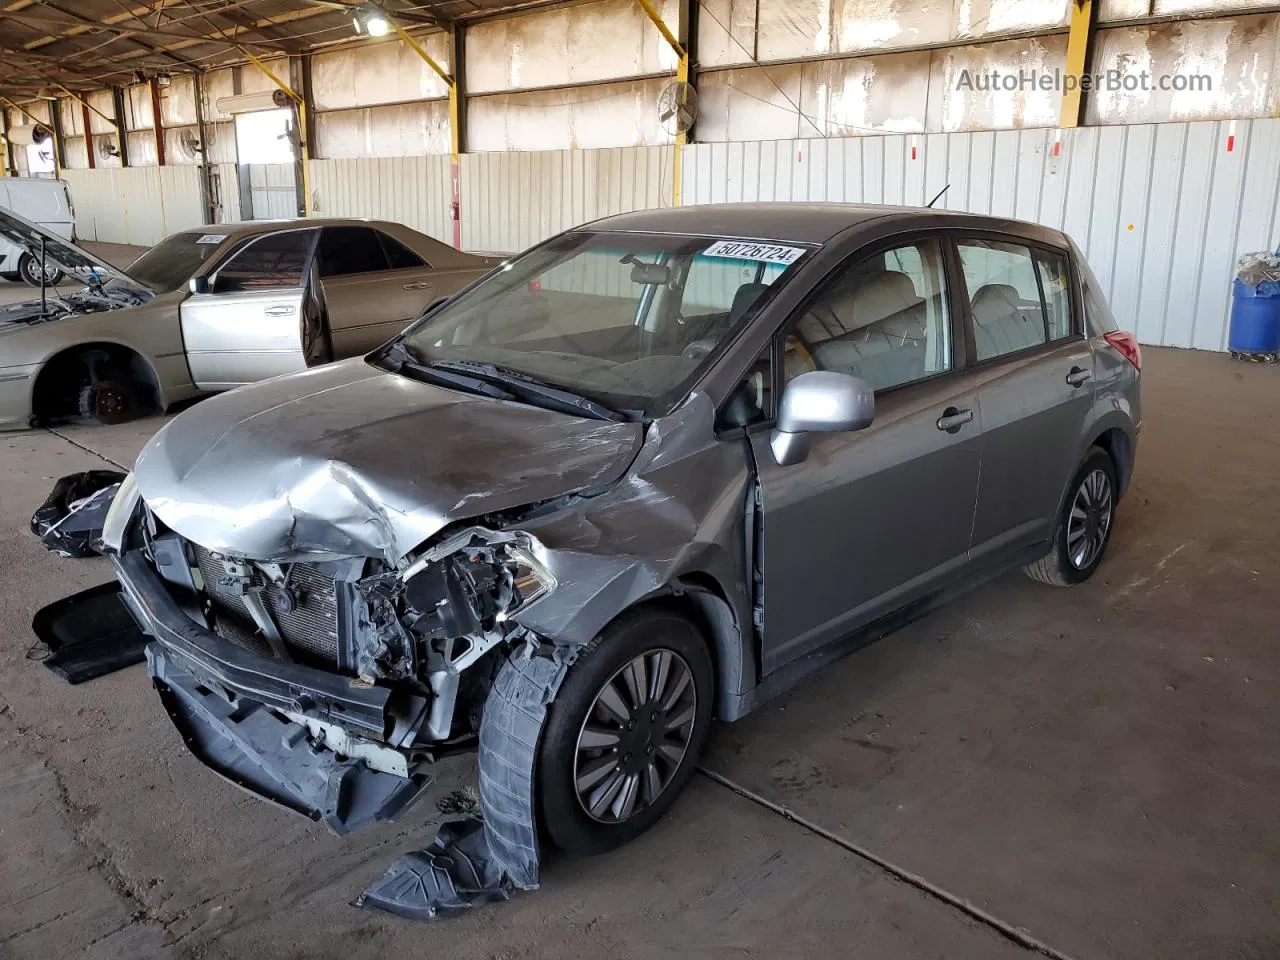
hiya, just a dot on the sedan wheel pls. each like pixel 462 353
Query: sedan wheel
pixel 635 736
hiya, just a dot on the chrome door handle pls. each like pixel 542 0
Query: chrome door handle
pixel 420 285
pixel 279 311
pixel 953 418
pixel 1079 375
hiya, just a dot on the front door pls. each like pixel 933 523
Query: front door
pixel 875 518
pixel 254 322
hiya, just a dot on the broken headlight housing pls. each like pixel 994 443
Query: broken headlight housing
pixel 120 515
pixel 473 583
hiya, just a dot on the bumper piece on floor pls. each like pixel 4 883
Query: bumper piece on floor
pixel 272 757
pixel 89 634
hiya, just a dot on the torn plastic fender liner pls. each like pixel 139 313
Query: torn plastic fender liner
pixel 267 755
pixel 470 863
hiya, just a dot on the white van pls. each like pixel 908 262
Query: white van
pixel 46 202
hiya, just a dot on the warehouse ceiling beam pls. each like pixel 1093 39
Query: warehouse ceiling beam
pixel 1079 55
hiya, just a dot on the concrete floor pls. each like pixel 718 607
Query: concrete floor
pixel 1096 768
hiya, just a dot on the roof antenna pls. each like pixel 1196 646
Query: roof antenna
pixel 937 196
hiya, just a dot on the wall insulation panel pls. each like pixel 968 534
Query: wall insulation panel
pixel 1161 210
pixel 139 205
pixel 399 130
pixel 377 72
pixel 511 201
pixel 412 190
pixel 913 91
pixel 742 31
pixel 1237 54
pixel 608 115
pixel 585 43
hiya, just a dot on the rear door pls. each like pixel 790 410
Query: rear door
pixel 374 287
pixel 1035 371
pixel 250 324
pixel 873 518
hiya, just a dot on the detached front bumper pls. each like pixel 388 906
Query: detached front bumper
pixel 227 702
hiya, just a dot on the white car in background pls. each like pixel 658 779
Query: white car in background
pixel 46 202
pixel 211 309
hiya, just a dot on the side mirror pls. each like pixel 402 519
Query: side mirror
pixel 821 401
pixel 198 284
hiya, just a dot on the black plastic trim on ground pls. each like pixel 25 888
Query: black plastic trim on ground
pixel 1007 930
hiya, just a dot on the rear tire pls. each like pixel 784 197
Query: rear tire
pixel 29 271
pixel 1084 524
pixel 656 732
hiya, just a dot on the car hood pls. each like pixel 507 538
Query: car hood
pixel 71 257
pixel 348 460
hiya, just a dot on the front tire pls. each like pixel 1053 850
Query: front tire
pixel 625 730
pixel 1084 525
pixel 29 271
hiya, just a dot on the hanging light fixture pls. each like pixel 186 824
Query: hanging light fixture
pixel 372 21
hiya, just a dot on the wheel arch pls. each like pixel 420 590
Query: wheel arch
pixel 701 598
pixel 1119 445
pixel 139 365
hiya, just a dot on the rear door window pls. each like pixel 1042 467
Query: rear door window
pixel 1019 297
pixel 398 255
pixel 274 262
pixel 346 250
pixel 1004 297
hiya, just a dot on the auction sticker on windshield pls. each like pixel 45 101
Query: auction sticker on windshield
pixel 212 238
pixel 754 250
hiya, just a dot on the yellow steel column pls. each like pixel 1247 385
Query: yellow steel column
pixel 682 75
pixel 1079 44
pixel 456 114
pixel 300 111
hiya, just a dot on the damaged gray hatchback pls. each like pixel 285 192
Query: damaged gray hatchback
pixel 654 470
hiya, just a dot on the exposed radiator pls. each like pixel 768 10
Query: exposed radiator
pixel 311 626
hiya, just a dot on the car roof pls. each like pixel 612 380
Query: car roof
pixel 248 227
pixel 797 222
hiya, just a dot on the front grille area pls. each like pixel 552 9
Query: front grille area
pixel 311 627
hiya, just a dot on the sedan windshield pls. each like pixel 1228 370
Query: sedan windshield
pixel 171 262
pixel 623 320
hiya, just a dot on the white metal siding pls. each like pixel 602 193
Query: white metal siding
pixel 511 201
pixel 138 205
pixel 412 190
pixel 1162 211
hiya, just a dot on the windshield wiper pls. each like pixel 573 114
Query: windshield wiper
pixel 527 387
pixel 400 358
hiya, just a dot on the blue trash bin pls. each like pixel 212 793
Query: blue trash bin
pixel 1255 320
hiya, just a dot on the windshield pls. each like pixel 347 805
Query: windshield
pixel 171 262
pixel 623 319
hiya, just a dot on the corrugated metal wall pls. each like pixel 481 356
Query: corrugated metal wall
pixel 139 205
pixel 512 200
pixel 413 190
pixel 1161 210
